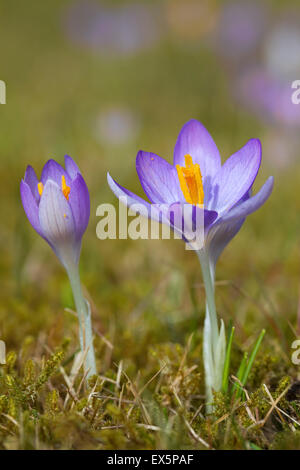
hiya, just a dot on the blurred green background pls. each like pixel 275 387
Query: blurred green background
pixel 101 80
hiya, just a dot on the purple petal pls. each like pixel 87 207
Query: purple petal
pixel 54 171
pixel 163 213
pixel 219 237
pixel 32 181
pixel 236 177
pixel 152 211
pixel 57 223
pixel 222 233
pixel 71 167
pixel 196 141
pixel 209 218
pixel 30 207
pixel 251 204
pixel 120 191
pixel 79 201
pixel 158 178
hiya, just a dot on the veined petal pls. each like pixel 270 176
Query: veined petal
pixel 131 198
pixel 54 171
pixel 71 167
pixel 57 223
pixel 79 201
pixel 225 229
pixel 30 207
pixel 119 191
pixel 252 204
pixel 158 178
pixel 196 141
pixel 32 181
pixel 235 177
pixel 220 235
pixel 152 211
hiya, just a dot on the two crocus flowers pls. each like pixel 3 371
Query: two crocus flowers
pixel 58 209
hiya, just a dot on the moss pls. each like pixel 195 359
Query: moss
pixel 39 410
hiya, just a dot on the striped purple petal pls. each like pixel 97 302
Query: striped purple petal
pixel 235 177
pixel 30 207
pixel 196 141
pixel 57 223
pixel 79 200
pixel 32 181
pixel 54 171
pixel 71 167
pixel 158 178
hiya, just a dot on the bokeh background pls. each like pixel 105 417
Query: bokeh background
pixel 99 80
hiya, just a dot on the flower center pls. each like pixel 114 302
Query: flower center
pixel 65 189
pixel 40 188
pixel 190 180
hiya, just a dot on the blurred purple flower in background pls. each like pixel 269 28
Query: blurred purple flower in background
pixel 267 96
pixel 240 29
pixel 119 30
pixel 116 126
pixel 282 49
pixel 265 87
pixel 263 60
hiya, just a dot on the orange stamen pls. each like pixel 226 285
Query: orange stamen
pixel 190 180
pixel 40 188
pixel 65 189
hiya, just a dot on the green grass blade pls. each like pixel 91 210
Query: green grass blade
pixel 227 361
pixel 252 357
pixel 254 446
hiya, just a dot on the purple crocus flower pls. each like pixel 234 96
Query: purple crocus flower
pixel 226 188
pixel 58 207
pixel 268 96
pixel 198 180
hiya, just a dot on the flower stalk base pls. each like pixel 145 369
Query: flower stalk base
pixel 85 324
pixel 214 340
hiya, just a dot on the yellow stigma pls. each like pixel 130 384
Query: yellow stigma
pixel 65 189
pixel 40 188
pixel 190 180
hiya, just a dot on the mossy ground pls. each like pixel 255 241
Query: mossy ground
pixel 146 296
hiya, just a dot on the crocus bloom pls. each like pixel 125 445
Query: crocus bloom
pixel 58 208
pixel 198 179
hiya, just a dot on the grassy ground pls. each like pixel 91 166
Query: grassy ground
pixel 147 298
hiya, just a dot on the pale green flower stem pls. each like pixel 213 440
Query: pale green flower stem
pixel 85 324
pixel 214 341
